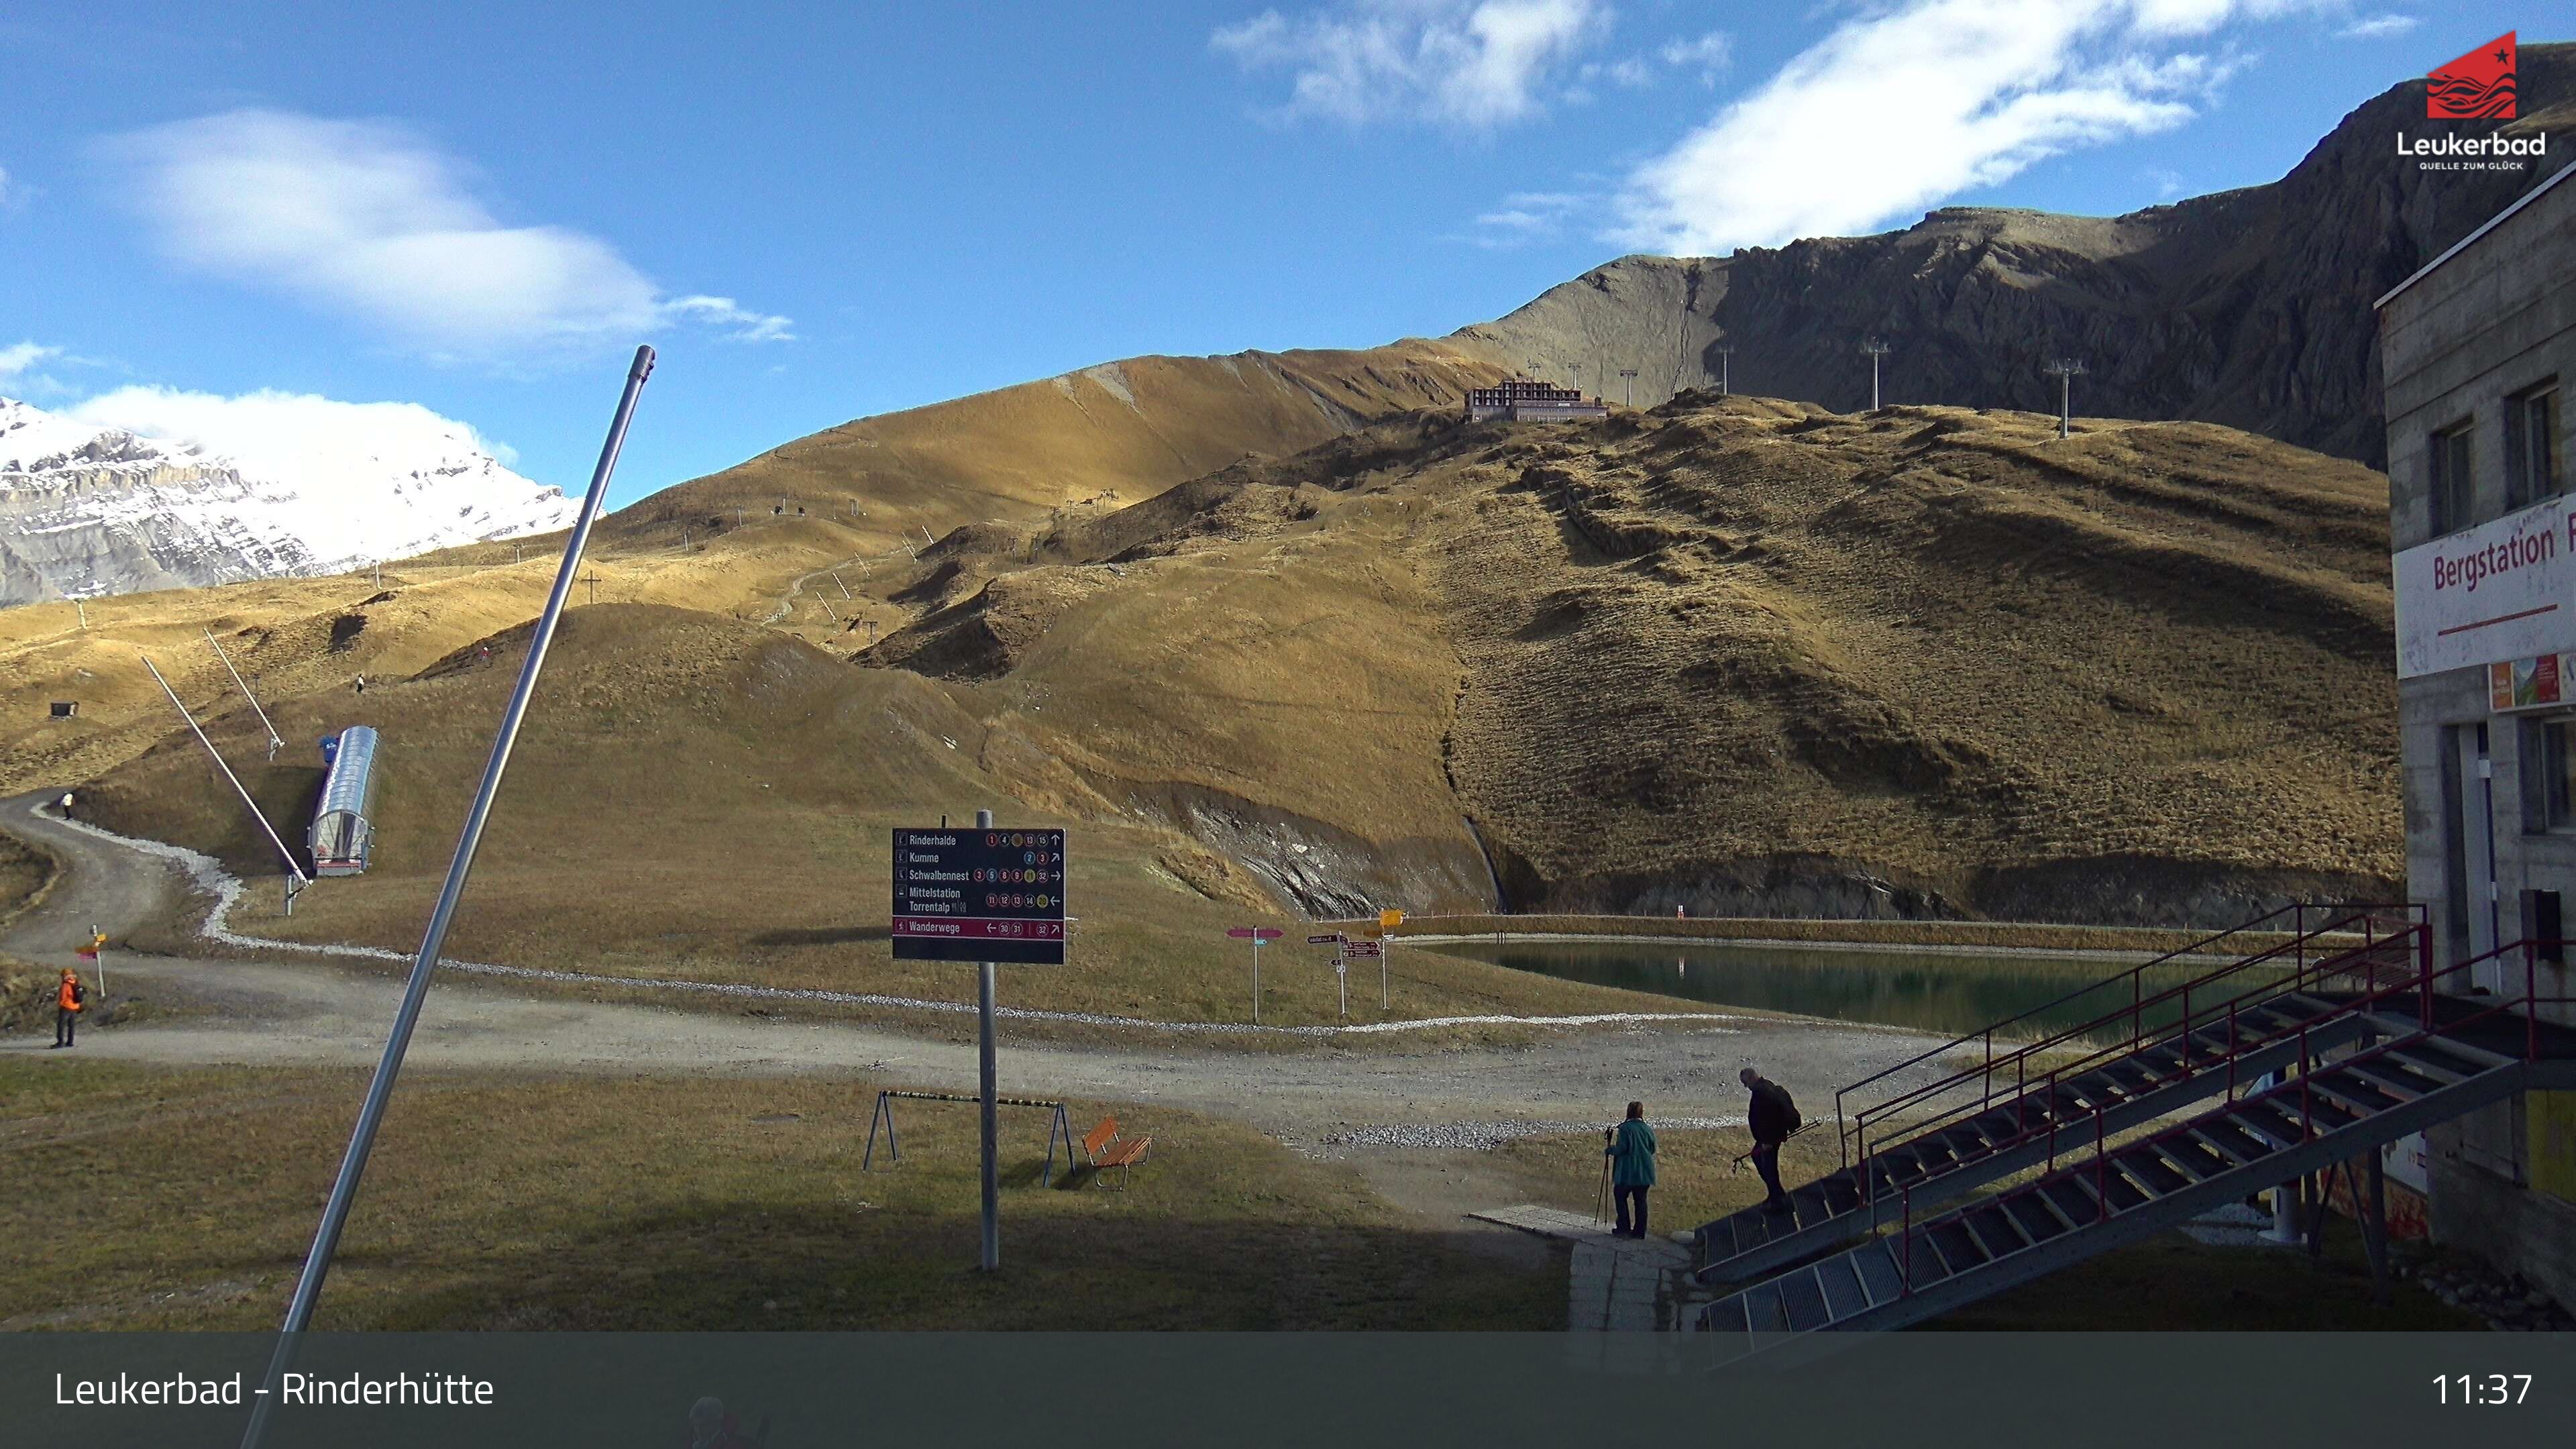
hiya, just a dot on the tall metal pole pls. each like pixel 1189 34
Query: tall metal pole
pixel 362 1141
pixel 265 829
pixel 991 1104
pixel 273 740
pixel 1725 367
pixel 1876 350
pixel 2067 370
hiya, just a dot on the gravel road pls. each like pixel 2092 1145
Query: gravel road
pixel 1324 1099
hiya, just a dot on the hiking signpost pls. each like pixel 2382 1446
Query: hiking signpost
pixel 1367 950
pixel 982 895
pixel 979 895
pixel 1259 936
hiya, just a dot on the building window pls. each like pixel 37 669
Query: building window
pixel 2548 789
pixel 2453 501
pixel 2531 446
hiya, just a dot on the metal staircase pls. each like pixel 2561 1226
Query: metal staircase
pixel 2290 985
pixel 2416 1059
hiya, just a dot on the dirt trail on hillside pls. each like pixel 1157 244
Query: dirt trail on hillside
pixel 217 1011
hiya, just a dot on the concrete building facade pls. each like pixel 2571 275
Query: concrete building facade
pixel 1522 401
pixel 2478 353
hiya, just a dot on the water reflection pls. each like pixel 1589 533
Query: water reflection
pixel 1953 994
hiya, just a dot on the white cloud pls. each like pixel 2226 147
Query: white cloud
pixel 1906 106
pixel 1707 54
pixel 721 311
pixel 4 186
pixel 2378 27
pixel 1526 217
pixel 363 219
pixel 18 357
pixel 294 437
pixel 1474 64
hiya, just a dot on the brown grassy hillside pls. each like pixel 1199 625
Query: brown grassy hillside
pixel 1120 431
pixel 698 797
pixel 1748 657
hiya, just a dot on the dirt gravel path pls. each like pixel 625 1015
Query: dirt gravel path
pixel 213 1010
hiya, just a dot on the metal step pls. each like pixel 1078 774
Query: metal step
pixel 2230 1150
pixel 1957 1158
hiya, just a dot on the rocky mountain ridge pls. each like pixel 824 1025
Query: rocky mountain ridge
pixel 2252 308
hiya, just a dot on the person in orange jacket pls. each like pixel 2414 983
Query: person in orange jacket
pixel 68 1005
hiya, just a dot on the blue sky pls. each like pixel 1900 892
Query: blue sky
pixel 818 213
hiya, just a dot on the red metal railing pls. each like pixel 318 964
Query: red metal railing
pixel 2418 984
pixel 2322 942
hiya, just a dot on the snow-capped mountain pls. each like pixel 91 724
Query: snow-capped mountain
pixel 87 509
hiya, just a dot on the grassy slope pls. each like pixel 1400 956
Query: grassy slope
pixel 1017 454
pixel 1127 429
pixel 1708 651
pixel 698 797
pixel 1944 647
pixel 581 1204
pixel 1750 655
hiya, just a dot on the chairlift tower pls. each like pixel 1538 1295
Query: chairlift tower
pixel 1725 367
pixel 1627 376
pixel 1874 349
pixel 2065 370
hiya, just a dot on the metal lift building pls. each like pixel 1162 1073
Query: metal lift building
pixel 343 824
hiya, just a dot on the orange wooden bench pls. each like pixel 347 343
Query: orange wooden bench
pixel 1106 1149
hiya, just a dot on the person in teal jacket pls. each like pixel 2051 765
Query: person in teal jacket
pixel 1632 1168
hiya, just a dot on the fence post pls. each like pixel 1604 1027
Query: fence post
pixel 2101 1173
pixel 1906 1252
pixel 2424 973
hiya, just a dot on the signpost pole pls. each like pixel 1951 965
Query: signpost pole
pixel 1256 981
pixel 992 1257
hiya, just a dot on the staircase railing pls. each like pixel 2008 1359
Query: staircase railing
pixel 2374 942
pixel 2415 987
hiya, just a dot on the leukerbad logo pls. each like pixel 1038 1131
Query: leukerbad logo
pixel 2476 87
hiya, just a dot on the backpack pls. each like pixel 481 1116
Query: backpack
pixel 1789 1120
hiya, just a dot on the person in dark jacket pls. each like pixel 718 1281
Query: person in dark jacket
pixel 1771 1117
pixel 1632 1168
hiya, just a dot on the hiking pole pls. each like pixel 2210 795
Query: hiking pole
pixel 1601 1203
pixel 362 1141
pixel 1747 1155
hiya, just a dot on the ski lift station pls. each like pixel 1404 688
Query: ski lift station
pixel 343 825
